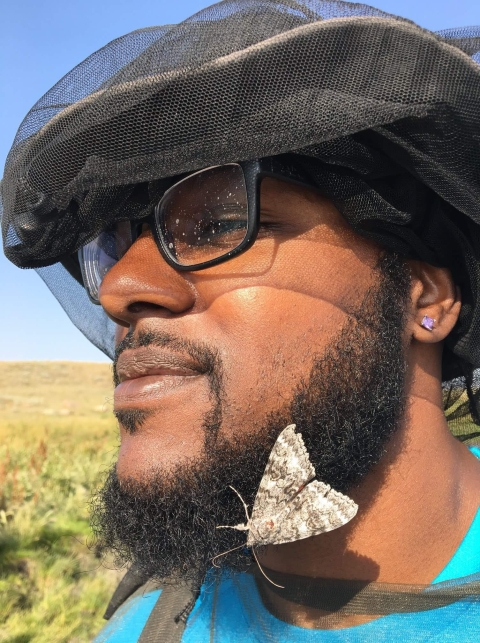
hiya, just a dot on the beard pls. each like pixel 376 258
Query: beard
pixel 347 409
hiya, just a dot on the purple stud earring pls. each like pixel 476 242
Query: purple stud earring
pixel 427 322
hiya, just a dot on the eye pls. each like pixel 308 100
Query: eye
pixel 214 226
pixel 271 224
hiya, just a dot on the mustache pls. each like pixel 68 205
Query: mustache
pixel 205 356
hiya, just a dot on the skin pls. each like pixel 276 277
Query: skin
pixel 267 313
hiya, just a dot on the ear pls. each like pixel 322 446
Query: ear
pixel 434 297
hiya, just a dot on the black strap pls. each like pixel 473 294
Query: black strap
pixel 129 584
pixel 167 620
pixel 364 597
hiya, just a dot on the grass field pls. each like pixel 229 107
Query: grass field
pixel 57 436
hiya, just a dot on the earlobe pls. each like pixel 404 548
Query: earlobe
pixel 436 302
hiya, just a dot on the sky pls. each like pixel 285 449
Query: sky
pixel 42 41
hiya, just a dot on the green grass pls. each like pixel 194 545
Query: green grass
pixel 57 437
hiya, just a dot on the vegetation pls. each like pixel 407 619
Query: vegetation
pixel 57 436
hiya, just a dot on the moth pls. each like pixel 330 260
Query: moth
pixel 290 504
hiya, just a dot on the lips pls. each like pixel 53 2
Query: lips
pixel 148 373
pixel 146 361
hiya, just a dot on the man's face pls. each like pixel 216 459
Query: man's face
pixel 257 322
pixel 307 326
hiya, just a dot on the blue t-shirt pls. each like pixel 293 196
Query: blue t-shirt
pixel 241 617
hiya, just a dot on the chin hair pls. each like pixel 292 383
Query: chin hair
pixel 132 419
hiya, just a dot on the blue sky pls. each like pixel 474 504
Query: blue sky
pixel 40 42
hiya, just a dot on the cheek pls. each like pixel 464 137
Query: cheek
pixel 272 332
pixel 322 273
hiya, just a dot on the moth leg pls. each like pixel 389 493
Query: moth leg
pixel 238 527
pixel 224 553
pixel 260 568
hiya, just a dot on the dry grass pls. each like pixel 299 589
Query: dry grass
pixel 57 436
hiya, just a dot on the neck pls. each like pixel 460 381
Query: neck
pixel 415 506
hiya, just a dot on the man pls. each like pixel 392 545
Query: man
pixel 276 204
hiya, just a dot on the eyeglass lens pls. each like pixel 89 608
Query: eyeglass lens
pixel 204 216
pixel 200 218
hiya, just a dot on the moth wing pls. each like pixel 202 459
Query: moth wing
pixel 315 510
pixel 288 470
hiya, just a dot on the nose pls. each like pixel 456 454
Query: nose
pixel 142 285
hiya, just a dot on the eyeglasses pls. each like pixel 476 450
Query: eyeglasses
pixel 204 219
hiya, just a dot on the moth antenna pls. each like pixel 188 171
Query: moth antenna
pixel 224 554
pixel 243 502
pixel 260 568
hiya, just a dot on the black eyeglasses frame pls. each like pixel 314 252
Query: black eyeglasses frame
pixel 254 172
